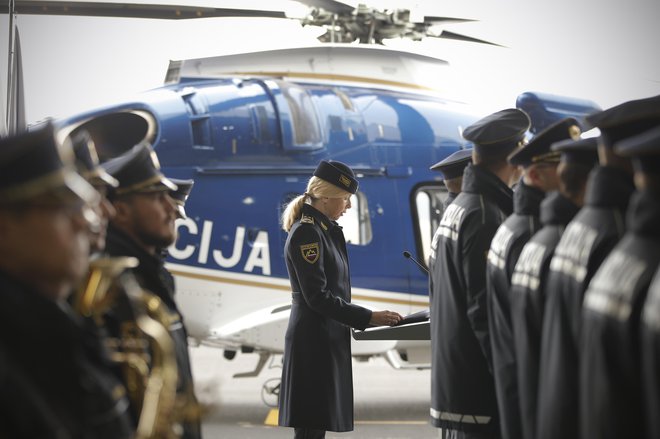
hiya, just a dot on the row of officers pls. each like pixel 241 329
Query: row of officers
pixel 545 299
pixel 92 343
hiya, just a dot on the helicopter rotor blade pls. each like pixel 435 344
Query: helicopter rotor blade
pixel 132 10
pixel 445 20
pixel 459 37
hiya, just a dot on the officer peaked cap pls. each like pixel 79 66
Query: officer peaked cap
pixel 582 151
pixel 338 174
pixel 627 119
pixel 138 171
pixel 34 163
pixel 180 195
pixel 538 149
pixel 454 165
pixel 498 133
pixel 644 149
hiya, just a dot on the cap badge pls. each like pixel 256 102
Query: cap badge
pixel 345 180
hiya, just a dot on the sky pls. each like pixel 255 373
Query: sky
pixel 601 50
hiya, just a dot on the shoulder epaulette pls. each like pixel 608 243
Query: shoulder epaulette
pixel 306 219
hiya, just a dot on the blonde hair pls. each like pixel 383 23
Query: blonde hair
pixel 316 188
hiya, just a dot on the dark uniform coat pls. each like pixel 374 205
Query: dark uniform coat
pixel 64 386
pixel 502 257
pixel 587 240
pixel 462 386
pixel 154 277
pixel 317 380
pixel 610 382
pixel 451 196
pixel 528 301
pixel 650 350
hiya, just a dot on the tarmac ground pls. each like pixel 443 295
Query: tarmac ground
pixel 389 403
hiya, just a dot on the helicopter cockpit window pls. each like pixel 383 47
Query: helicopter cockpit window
pixel 306 127
pixel 357 221
pixel 427 211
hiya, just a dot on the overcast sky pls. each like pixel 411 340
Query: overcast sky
pixel 601 50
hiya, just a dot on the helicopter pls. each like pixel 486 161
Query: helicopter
pixel 250 128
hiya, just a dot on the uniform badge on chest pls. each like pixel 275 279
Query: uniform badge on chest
pixel 310 252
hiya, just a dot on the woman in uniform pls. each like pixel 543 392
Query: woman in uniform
pixel 317 381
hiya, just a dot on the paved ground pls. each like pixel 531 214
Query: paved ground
pixel 389 404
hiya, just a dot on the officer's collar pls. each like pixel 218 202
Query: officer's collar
pixel 557 209
pixel 324 222
pixel 527 199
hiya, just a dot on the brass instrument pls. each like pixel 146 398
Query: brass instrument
pixel 150 375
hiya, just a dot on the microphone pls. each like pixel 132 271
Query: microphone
pixel 406 254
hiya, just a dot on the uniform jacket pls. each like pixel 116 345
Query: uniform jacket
pixel 610 383
pixel 528 300
pixel 587 240
pixel 462 387
pixel 154 277
pixel 65 386
pixel 650 350
pixel 505 248
pixel 317 383
pixel 451 196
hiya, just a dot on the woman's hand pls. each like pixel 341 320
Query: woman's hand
pixel 384 318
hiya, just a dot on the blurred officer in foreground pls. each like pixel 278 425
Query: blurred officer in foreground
pixel 645 150
pixel 610 382
pixel 142 226
pixel 452 168
pixel 539 165
pixel 463 400
pixel 586 242
pixel 180 195
pixel 317 382
pixel 527 295
pixel 45 216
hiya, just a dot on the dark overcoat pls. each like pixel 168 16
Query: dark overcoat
pixel 462 386
pixel 610 378
pixel 56 379
pixel 504 251
pixel 528 301
pixel 587 240
pixel 650 349
pixel 317 382
pixel 154 277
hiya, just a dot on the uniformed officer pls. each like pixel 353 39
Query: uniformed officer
pixel 586 242
pixel 142 226
pixel 317 385
pixel 610 380
pixel 64 386
pixel 645 152
pixel 452 168
pixel 539 165
pixel 181 194
pixel 527 294
pixel 463 393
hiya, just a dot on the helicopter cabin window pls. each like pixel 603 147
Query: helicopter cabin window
pixel 304 120
pixel 357 221
pixel 427 210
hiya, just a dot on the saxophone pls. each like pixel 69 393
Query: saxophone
pixel 145 351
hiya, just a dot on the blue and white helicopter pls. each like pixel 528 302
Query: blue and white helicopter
pixel 250 129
